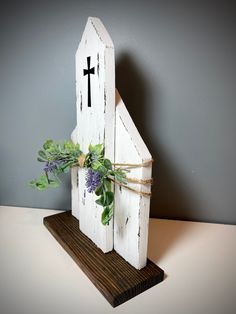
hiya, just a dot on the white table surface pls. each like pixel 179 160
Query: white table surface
pixel 38 276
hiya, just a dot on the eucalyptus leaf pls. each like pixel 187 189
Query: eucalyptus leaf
pixel 108 199
pixel 106 215
pixel 77 146
pixel 120 178
pixel 32 183
pixel 98 166
pixel 100 201
pixel 41 187
pixel 41 183
pixel 102 170
pixel 42 154
pixel 47 144
pixel 69 145
pixel 66 167
pixel 98 149
pixel 99 190
pixel 107 184
pixel 53 183
pixel 41 159
pixel 107 163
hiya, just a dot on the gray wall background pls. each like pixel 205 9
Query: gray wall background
pixel 175 69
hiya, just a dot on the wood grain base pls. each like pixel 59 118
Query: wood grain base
pixel 116 279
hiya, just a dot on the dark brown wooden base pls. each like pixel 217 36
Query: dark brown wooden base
pixel 116 279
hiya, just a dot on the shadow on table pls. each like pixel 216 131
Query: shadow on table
pixel 163 236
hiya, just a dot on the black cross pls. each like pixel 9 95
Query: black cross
pixel 88 72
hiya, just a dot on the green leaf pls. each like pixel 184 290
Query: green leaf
pixel 98 166
pixel 32 184
pixel 102 170
pixel 53 183
pixel 108 198
pixel 106 215
pixel 43 179
pixel 77 147
pixel 107 184
pixel 42 154
pixel 90 148
pixel 68 145
pixel 43 182
pixel 107 163
pixel 41 187
pixel 99 190
pixel 66 167
pixel 100 201
pixel 120 176
pixel 96 149
pixel 47 144
pixel 40 159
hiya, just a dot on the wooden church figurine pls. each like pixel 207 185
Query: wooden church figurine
pixel 113 256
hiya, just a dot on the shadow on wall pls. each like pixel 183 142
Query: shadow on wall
pixel 168 197
pixel 65 198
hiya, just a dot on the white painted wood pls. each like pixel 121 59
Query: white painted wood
pixel 74 182
pixel 131 215
pixel 95 124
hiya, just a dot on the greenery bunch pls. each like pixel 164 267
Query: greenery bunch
pixel 58 158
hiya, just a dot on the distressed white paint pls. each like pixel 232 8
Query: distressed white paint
pixel 74 182
pixel 95 124
pixel 112 126
pixel 131 215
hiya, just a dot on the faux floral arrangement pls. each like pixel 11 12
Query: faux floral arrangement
pixel 60 157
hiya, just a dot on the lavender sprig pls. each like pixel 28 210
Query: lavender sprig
pixel 93 180
pixel 51 165
pixel 59 158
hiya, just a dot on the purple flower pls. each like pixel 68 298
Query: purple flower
pixel 93 179
pixel 50 166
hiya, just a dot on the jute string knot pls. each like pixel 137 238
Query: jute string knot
pixel 81 160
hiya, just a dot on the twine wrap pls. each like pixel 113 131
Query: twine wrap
pixel 81 161
pixel 134 180
pixel 127 166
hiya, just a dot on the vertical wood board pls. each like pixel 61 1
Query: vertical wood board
pixel 131 215
pixel 74 182
pixel 95 93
